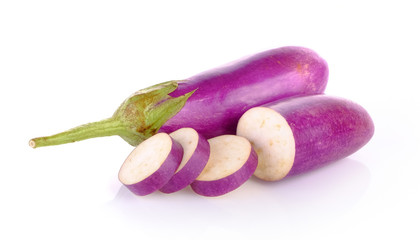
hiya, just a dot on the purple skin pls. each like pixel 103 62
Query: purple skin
pixel 159 178
pixel 325 129
pixel 229 183
pixel 192 168
pixel 224 94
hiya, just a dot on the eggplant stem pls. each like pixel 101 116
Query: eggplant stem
pixel 139 117
pixel 106 127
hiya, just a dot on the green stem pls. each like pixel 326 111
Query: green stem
pixel 106 127
pixel 139 117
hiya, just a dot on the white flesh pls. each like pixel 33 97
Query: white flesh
pixel 188 138
pixel 272 139
pixel 228 153
pixel 145 159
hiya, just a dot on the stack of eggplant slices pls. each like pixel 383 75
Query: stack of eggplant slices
pixel 264 115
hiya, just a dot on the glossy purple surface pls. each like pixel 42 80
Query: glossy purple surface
pixel 325 129
pixel 191 169
pixel 224 94
pixel 229 183
pixel 162 175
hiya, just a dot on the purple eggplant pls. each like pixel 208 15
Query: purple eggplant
pixel 195 158
pixel 232 162
pixel 211 102
pixel 299 134
pixel 151 164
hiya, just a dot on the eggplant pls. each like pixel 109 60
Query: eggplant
pixel 231 163
pixel 195 158
pixel 211 102
pixel 300 134
pixel 151 164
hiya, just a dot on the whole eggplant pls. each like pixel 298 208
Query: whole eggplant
pixel 211 102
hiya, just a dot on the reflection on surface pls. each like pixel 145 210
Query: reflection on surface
pixel 304 200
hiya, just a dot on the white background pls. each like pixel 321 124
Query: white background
pixel 65 63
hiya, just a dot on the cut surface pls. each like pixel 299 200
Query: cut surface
pixel 145 159
pixel 272 139
pixel 188 138
pixel 228 153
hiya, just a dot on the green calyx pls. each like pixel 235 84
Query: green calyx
pixel 139 117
